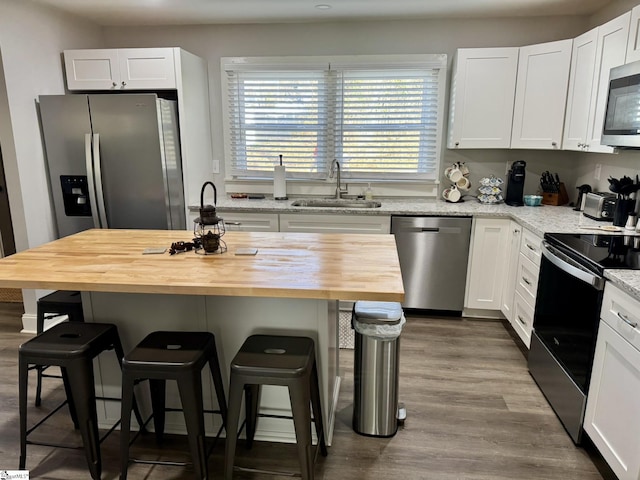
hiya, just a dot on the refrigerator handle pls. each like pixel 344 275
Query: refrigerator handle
pixel 98 179
pixel 90 180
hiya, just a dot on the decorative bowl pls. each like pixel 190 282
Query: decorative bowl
pixel 533 200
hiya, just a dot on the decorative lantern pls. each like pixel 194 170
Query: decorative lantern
pixel 208 227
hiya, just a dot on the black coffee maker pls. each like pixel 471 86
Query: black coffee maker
pixel 515 184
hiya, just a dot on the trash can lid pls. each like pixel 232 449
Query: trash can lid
pixel 388 313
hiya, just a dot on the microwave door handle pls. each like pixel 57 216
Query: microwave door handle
pixel 98 179
pixel 570 266
pixel 93 200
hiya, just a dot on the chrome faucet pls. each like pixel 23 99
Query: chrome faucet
pixel 335 167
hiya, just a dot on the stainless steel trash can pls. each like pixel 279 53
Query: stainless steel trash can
pixel 376 367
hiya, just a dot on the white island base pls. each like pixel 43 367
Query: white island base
pixel 231 320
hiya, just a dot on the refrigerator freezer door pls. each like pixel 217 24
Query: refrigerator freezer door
pixel 131 151
pixel 65 122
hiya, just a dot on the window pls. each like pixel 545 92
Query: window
pixel 380 116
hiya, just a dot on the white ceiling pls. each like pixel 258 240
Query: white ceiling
pixel 188 12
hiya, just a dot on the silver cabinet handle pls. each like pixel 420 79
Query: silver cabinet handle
pixel 533 249
pixel 233 223
pixel 457 144
pixel 516 231
pixel 124 84
pixel 626 320
pixel 525 280
pixel 521 320
pixel 114 84
pixel 554 144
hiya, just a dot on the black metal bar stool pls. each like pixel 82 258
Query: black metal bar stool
pixel 72 346
pixel 276 360
pixel 55 304
pixel 178 356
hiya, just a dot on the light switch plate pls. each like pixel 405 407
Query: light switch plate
pixel 597 172
pixel 216 166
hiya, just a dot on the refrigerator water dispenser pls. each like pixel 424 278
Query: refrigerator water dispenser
pixel 75 195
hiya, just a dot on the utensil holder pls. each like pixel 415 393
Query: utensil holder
pixel 623 208
pixel 559 198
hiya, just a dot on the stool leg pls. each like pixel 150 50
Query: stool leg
pixel 190 387
pixel 317 410
pixel 252 404
pixel 158 404
pixel 117 347
pixel 80 374
pixel 67 390
pixel 214 366
pixel 39 368
pixel 299 393
pixel 233 417
pixel 128 383
pixel 22 405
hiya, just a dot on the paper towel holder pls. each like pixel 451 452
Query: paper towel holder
pixel 280 182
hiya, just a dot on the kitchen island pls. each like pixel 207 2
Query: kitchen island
pixel 291 286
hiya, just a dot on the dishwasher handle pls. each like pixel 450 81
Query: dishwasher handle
pixel 450 230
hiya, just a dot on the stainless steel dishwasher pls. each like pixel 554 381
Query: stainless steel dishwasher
pixel 433 254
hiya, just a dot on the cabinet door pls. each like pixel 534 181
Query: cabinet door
pixel 334 223
pixel 92 69
pixel 610 52
pixel 612 419
pixel 250 222
pixel 580 88
pixel 512 269
pixel 482 95
pixel 541 95
pixel 487 263
pixel 633 44
pixel 147 68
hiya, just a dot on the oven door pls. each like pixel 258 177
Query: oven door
pixel 565 328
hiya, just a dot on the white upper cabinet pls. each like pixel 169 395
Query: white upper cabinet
pixel 633 45
pixel 121 69
pixel 482 96
pixel 579 94
pixel 610 52
pixel 541 94
pixel 594 54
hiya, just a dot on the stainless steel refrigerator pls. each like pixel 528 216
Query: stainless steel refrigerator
pixel 113 161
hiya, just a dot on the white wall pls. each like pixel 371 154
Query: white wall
pixel 31 41
pixel 353 38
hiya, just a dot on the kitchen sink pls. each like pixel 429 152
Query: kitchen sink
pixel 336 203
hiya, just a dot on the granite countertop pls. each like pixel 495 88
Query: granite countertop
pixel 540 220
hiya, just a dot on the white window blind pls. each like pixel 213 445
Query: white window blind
pixel 380 119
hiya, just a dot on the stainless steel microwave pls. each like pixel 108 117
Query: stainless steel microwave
pixel 622 118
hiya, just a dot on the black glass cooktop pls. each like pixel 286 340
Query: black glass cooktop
pixel 599 251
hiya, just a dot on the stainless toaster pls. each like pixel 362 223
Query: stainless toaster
pixel 600 206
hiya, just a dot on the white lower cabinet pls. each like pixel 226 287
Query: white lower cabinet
pixel 321 223
pixel 250 222
pixel 522 321
pixel 612 417
pixel 488 263
pixel 515 233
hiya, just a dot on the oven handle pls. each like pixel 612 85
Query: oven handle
pixel 570 266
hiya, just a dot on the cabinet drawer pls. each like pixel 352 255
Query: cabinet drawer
pixel 622 313
pixel 319 223
pixel 530 246
pixel 522 319
pixel 527 280
pixel 250 222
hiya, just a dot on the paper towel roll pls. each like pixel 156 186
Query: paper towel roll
pixel 279 182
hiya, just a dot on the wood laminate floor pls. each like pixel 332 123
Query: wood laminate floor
pixel 473 412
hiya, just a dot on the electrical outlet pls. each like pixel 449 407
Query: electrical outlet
pixel 216 166
pixel 597 172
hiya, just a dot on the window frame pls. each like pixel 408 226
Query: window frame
pixel 340 62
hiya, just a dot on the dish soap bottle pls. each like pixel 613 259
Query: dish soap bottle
pixel 368 193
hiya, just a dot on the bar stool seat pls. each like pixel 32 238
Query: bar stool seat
pixel 72 346
pixel 276 360
pixel 58 303
pixel 178 356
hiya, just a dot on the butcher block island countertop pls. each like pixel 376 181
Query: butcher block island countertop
pixel 287 265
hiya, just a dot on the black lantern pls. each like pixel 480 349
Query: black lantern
pixel 208 227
